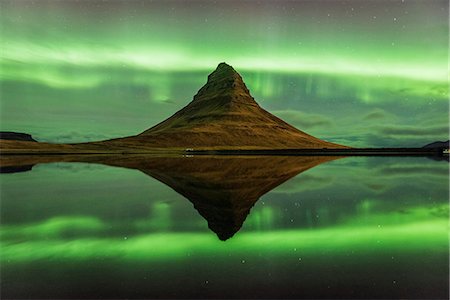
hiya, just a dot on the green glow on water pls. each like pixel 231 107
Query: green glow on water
pixel 161 215
pixel 407 237
pixel 73 238
pixel 263 218
pixel 354 223
pixel 55 227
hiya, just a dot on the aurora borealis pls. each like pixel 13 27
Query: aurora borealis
pixel 362 73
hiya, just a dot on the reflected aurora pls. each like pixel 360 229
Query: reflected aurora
pixel 81 237
pixel 159 246
pixel 368 227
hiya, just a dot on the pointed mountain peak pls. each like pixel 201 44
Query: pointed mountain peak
pixel 223 81
pixel 224 65
pixel 223 70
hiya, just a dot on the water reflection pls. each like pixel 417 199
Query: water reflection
pixel 347 228
pixel 222 189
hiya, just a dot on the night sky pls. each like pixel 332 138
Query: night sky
pixel 360 73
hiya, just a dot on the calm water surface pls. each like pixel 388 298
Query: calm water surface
pixel 250 227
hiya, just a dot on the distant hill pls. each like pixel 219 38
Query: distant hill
pixel 16 136
pixel 438 144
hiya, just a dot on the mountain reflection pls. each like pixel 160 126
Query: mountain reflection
pixel 223 189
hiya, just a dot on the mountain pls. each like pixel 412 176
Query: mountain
pixel 437 144
pixel 224 115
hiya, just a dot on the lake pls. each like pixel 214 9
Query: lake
pixel 224 227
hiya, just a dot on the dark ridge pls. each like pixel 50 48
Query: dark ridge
pixel 16 136
pixel 438 144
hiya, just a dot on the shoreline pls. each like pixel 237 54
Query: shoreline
pixel 328 152
pixel 274 152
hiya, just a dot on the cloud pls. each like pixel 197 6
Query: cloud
pixel 74 137
pixel 376 114
pixel 438 91
pixel 380 140
pixel 303 120
pixel 358 140
pixel 376 186
pixel 168 101
pixel 407 130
